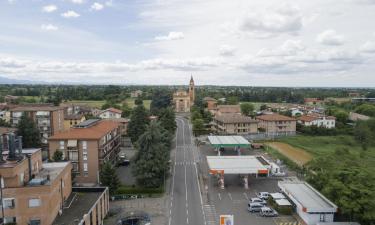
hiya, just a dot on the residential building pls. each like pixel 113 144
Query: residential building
pixel 226 109
pixel 72 120
pixel 49 119
pixel 136 94
pixel 32 192
pixel 310 205
pixel 361 100
pixel 88 145
pixel 11 99
pixel 123 125
pixel 90 206
pixel 276 124
pixel 235 124
pixel 211 103
pixel 76 108
pixel 110 113
pixel 317 120
pixel 183 100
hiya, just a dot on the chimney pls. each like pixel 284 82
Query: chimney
pixel 20 145
pixel 12 147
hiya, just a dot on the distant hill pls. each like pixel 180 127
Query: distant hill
pixel 5 80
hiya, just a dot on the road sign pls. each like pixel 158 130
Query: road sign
pixel 226 220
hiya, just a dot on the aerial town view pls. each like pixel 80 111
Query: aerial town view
pixel 178 112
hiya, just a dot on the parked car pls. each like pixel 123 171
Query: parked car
pixel 254 207
pixel 258 200
pixel 263 195
pixel 123 161
pixel 268 212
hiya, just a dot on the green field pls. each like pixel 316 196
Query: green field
pixel 323 145
pixel 130 102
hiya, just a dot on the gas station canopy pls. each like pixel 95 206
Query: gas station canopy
pixel 228 141
pixel 236 165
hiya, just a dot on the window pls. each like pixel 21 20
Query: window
pixel 73 155
pixel 85 167
pixel 34 202
pixel 8 220
pixel 84 145
pixel 75 167
pixel 8 203
pixel 34 222
pixel 62 144
pixel 85 156
pixel 22 177
pixel 2 183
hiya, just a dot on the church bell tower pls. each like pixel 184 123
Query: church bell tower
pixel 192 91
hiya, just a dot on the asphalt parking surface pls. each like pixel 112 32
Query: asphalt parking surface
pixel 234 198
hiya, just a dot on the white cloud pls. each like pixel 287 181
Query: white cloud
pixel 368 47
pixel 269 22
pixel 227 50
pixel 70 14
pixel 171 36
pixel 49 8
pixel 330 37
pixel 78 1
pixel 96 6
pixel 109 3
pixel 49 27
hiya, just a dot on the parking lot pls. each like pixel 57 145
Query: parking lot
pixel 234 198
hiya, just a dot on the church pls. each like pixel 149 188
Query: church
pixel 183 100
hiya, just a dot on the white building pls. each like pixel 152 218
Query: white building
pixel 311 206
pixel 317 120
pixel 110 113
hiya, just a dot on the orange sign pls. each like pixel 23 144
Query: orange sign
pixel 226 220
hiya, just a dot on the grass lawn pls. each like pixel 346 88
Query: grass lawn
pixel 95 104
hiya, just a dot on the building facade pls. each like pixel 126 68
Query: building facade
pixel 49 119
pixel 72 120
pixel 88 145
pixel 276 124
pixel 211 103
pixel 110 113
pixel 235 124
pixel 318 120
pixel 183 100
pixel 32 192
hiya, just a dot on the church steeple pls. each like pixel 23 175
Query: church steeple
pixel 192 90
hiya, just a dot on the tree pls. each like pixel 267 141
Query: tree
pixel 29 132
pixel 263 107
pixel 160 99
pixel 3 123
pixel 57 156
pixel 138 101
pixel 247 109
pixel 167 119
pixel 138 123
pixel 152 163
pixel 126 110
pixel 108 177
pixel 198 126
pixel 363 134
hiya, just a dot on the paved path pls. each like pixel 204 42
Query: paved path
pixel 186 206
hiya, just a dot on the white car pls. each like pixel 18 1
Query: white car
pixel 263 195
pixel 268 212
pixel 258 200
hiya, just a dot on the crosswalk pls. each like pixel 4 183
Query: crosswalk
pixel 289 223
pixel 184 163
pixel 210 215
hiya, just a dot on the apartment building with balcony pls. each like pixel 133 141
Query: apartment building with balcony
pixel 32 192
pixel 235 124
pixel 88 145
pixel 276 124
pixel 49 119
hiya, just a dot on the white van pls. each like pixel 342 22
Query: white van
pixel 254 207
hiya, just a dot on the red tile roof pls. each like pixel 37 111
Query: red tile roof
pixel 93 132
pixel 275 117
pixel 113 110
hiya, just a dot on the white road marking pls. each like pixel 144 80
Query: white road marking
pixel 218 194
pixel 247 198
pixel 230 196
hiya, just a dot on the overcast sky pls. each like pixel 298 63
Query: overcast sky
pixel 220 42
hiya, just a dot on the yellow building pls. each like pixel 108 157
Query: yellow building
pixel 72 120
pixel 183 100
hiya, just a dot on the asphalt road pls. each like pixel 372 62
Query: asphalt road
pixel 185 197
